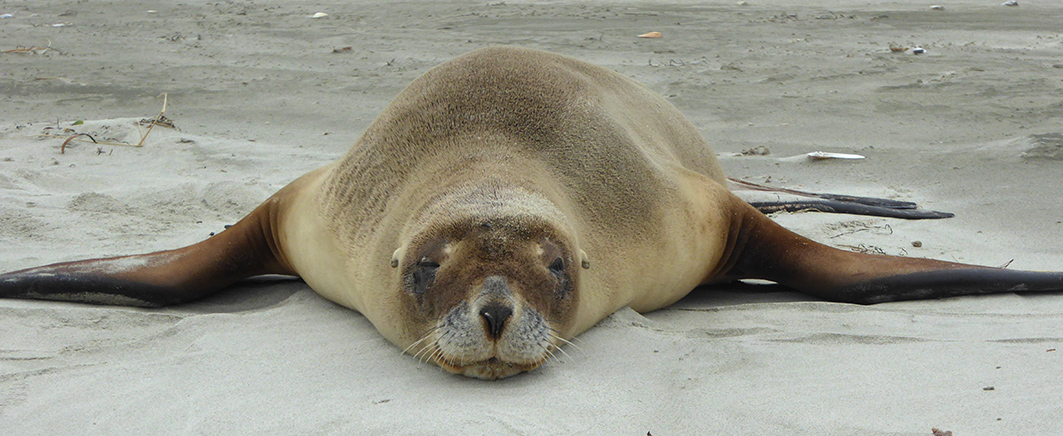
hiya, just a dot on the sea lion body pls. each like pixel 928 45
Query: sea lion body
pixel 503 203
pixel 569 137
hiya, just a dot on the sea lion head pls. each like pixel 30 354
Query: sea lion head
pixel 488 295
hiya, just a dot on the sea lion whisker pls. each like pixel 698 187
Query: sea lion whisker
pixel 420 353
pixel 554 335
pixel 425 347
pixel 423 338
pixel 424 352
pixel 562 350
pixel 437 356
pixel 428 351
pixel 547 354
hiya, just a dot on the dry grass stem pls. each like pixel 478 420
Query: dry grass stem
pixel 30 50
pixel 158 120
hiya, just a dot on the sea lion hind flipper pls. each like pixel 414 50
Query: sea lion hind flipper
pixel 246 249
pixel 837 203
pixel 763 249
pixel 847 207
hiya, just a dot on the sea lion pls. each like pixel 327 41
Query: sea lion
pixel 503 203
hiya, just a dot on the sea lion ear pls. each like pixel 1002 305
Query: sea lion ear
pixel 584 261
pixel 397 256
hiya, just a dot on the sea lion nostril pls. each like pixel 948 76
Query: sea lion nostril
pixel 495 316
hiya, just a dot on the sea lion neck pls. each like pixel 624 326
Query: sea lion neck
pixel 490 203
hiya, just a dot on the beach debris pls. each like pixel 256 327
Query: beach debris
pixel 159 120
pixel 856 227
pixel 342 50
pixel 917 244
pixel 937 7
pixel 62 79
pixel 60 24
pixel 62 148
pixel 651 35
pixel 826 155
pixel 1010 3
pixel 865 249
pixel 834 203
pixel 759 150
pixel 31 50
pixel 918 50
pixel 940 432
pixel 7 16
pixel 742 3
pixel 897 48
pixel 319 15
pixel 1042 146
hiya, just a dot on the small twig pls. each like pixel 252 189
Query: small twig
pixel 33 49
pixel 25 49
pixel 62 148
pixel 156 120
pixel 864 229
pixel 866 249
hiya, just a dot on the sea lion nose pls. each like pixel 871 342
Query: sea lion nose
pixel 495 316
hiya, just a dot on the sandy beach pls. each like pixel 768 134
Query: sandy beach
pixel 260 92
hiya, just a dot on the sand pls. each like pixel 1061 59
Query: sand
pixel 261 93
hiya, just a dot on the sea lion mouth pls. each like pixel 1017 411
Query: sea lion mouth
pixel 463 342
pixel 492 368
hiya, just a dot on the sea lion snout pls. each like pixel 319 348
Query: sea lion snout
pixel 498 308
pixel 494 326
pixel 493 335
pixel 495 315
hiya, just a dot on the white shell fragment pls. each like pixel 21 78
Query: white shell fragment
pixel 937 7
pixel 918 50
pixel 319 15
pixel 1011 3
pixel 7 16
pixel 824 155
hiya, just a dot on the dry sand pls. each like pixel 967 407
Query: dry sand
pixel 262 93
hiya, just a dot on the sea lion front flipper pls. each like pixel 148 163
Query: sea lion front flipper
pixel 246 249
pixel 760 248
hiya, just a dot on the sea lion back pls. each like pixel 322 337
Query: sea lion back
pixel 605 138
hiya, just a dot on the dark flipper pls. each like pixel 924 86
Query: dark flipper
pixel 246 249
pixel 852 208
pixel 948 283
pixel 760 248
pixel 834 203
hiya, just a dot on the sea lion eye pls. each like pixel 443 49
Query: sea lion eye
pixel 557 267
pixel 422 276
